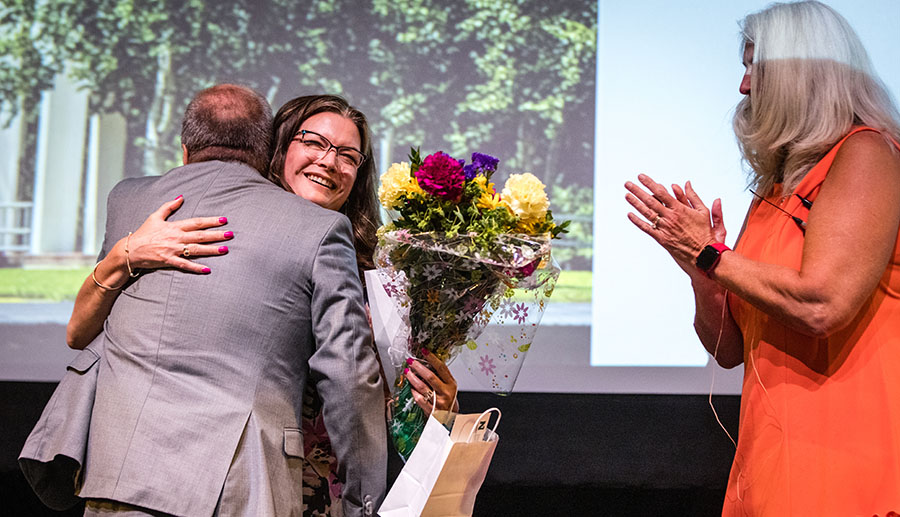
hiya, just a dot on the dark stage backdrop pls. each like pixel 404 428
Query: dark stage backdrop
pixel 572 454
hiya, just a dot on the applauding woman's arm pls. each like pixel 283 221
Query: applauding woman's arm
pixel 835 277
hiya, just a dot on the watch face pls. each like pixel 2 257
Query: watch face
pixel 707 258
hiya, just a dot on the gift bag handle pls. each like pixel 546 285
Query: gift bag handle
pixel 485 412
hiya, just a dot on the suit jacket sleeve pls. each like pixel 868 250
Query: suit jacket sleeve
pixel 115 202
pixel 347 372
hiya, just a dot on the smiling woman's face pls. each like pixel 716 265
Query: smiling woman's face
pixel 322 178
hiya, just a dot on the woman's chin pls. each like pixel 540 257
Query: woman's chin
pixel 325 201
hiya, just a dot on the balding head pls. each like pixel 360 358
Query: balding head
pixel 230 123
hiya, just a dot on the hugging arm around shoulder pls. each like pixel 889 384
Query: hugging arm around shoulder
pixel 94 303
pixel 346 372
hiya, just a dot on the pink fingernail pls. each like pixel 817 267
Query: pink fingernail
pixel 405 371
pixel 205 270
pixel 179 197
pixel 425 351
pixel 229 234
pixel 409 360
pixel 223 220
pixel 223 249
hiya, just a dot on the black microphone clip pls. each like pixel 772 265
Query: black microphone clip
pixel 807 203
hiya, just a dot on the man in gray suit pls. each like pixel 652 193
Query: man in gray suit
pixel 200 379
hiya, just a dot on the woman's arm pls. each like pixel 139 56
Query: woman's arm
pixel 713 322
pixel 93 302
pixel 851 233
pixel 157 243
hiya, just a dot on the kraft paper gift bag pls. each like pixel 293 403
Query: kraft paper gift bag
pixel 446 469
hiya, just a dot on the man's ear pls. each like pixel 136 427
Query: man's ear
pixel 184 155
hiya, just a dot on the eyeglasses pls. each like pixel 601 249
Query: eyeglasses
pixel 799 222
pixel 347 157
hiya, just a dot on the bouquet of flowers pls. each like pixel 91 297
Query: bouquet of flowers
pixel 457 254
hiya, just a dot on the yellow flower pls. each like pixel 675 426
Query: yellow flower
pixel 397 182
pixel 489 198
pixel 524 195
pixel 524 227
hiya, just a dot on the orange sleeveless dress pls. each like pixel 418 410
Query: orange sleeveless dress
pixel 820 418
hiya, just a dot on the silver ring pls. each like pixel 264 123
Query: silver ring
pixel 186 252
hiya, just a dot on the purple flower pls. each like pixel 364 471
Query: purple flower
pixel 481 163
pixel 520 313
pixel 487 365
pixel 441 176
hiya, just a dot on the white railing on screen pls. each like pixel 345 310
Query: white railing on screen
pixel 15 226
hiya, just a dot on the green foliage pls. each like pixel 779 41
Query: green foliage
pixel 425 213
pixel 415 161
pixel 27 64
pixel 487 71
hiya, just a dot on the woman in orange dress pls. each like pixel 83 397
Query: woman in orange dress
pixel 809 300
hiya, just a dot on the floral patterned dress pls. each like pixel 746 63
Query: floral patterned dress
pixel 321 487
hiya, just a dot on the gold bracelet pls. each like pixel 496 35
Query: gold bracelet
pixel 101 286
pixel 131 273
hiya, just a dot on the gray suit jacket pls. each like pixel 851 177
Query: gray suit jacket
pixel 200 382
pixel 54 452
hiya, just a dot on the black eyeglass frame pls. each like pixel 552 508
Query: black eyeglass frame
pixel 337 149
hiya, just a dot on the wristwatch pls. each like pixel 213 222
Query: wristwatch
pixel 710 255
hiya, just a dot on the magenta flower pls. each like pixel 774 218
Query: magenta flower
pixel 391 288
pixel 529 268
pixel 442 176
pixel 520 313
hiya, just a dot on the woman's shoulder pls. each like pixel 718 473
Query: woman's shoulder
pixel 867 166
pixel 866 133
pixel 860 148
pixel 868 146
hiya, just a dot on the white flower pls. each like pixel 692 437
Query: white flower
pixel 524 194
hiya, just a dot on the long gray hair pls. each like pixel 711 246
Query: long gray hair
pixel 811 81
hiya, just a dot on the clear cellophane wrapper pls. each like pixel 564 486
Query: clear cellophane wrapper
pixel 482 305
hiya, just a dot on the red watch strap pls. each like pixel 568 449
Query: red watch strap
pixel 721 248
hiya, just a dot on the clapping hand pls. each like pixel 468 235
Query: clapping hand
pixel 681 224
